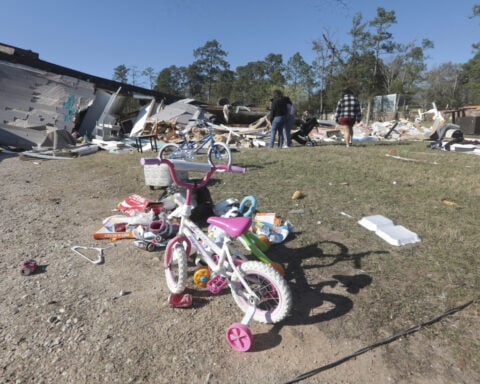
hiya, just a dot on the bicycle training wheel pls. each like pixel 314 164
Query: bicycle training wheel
pixel 170 152
pixel 219 153
pixel 272 289
pixel 175 263
pixel 239 337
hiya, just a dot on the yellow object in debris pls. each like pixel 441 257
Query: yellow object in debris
pixel 451 203
pixel 297 195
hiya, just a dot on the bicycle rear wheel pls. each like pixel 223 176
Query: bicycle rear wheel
pixel 170 152
pixel 219 153
pixel 272 289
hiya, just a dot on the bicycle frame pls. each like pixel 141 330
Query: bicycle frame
pixel 194 235
pixel 191 231
pixel 196 145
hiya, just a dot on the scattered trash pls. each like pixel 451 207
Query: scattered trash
pixel 297 195
pixel 463 147
pixel 272 228
pixel 296 211
pixel 140 244
pixel 134 204
pixel 384 228
pixel 99 250
pixel 180 300
pixel 268 217
pixel 450 203
pixel 408 159
pixel 346 214
pixel 114 230
pixel 400 158
pixel 225 206
pixel 248 206
pixel 150 245
pixel 28 267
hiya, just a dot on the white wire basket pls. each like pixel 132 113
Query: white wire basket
pixel 159 175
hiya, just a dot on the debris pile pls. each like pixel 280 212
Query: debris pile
pixel 150 224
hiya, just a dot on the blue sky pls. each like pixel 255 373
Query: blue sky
pixel 97 36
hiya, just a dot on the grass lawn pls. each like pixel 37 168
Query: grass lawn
pixel 345 279
pixel 435 194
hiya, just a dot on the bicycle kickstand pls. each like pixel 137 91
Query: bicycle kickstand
pixel 250 312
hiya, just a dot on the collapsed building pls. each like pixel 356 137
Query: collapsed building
pixel 46 105
pixel 41 102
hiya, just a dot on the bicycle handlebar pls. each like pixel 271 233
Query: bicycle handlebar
pixel 181 165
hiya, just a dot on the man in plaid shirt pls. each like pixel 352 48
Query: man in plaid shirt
pixel 347 113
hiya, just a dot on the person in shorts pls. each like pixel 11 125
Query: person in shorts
pixel 348 113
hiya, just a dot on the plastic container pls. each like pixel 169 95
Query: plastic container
pixel 159 175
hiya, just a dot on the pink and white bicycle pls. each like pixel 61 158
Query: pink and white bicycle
pixel 258 289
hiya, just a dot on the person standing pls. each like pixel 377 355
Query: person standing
pixel 348 112
pixel 289 124
pixel 278 117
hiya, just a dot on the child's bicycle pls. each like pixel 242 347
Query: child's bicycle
pixel 258 289
pixel 216 151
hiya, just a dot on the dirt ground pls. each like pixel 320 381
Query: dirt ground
pixel 76 322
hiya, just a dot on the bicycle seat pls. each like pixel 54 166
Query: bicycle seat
pixel 233 226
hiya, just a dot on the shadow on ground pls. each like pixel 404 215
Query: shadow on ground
pixel 311 304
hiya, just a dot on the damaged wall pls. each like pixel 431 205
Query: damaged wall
pixel 31 97
pixel 36 95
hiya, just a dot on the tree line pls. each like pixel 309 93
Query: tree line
pixel 371 64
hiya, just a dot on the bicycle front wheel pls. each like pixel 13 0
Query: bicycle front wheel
pixel 175 263
pixel 271 288
pixel 219 153
pixel 170 152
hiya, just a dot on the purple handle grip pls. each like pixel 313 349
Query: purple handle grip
pixel 237 169
pixel 150 161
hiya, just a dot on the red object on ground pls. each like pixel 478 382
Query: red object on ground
pixel 180 300
pixel 28 267
pixel 136 203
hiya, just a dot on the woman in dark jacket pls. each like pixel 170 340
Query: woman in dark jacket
pixel 278 117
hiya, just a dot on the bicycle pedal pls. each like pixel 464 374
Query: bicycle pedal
pixel 180 300
pixel 216 284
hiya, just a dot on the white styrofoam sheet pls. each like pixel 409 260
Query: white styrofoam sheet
pixel 463 147
pixel 385 229
pixel 397 235
pixel 372 223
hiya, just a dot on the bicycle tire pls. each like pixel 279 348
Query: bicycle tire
pixel 219 153
pixel 273 290
pixel 175 263
pixel 170 152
